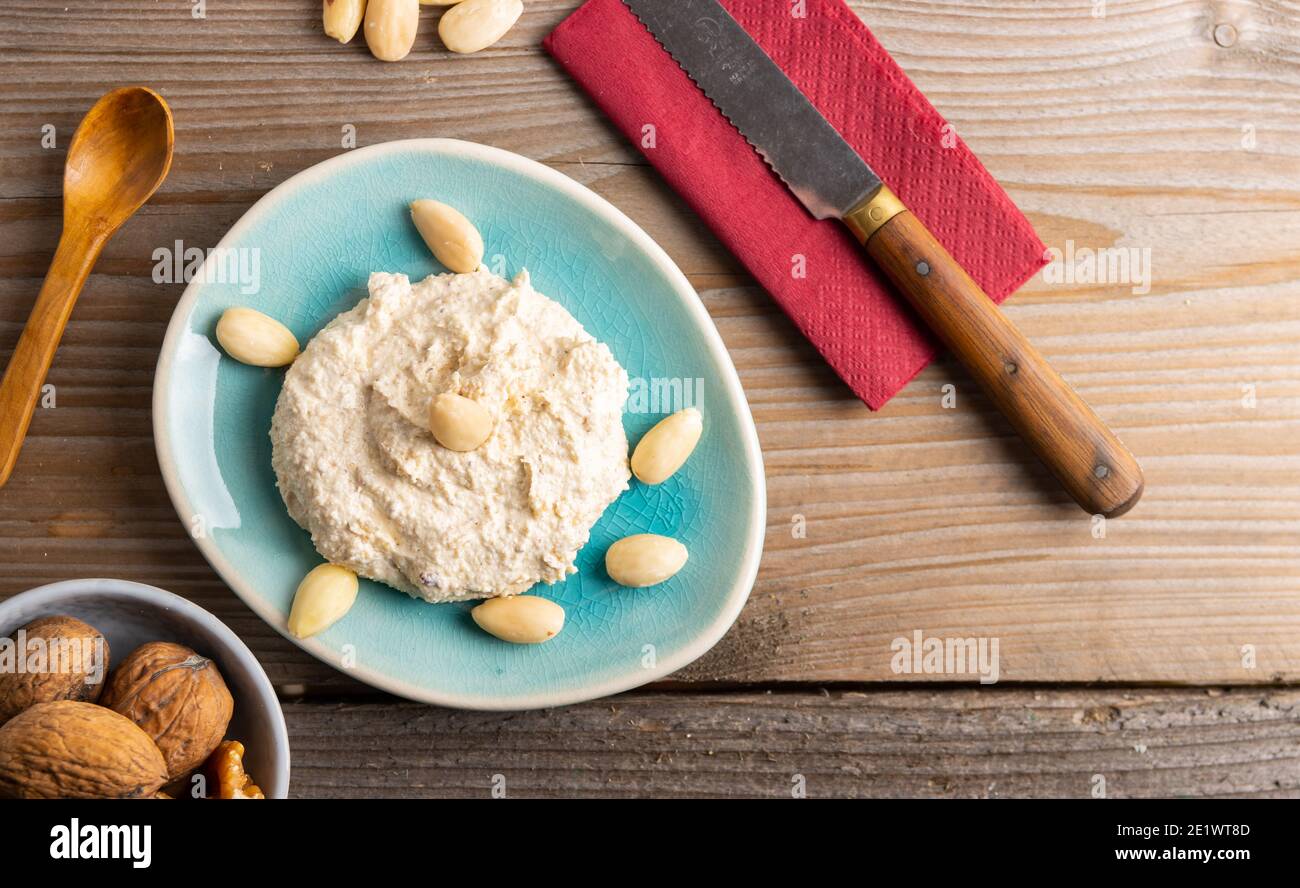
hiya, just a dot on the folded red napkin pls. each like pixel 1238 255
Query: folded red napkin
pixel 815 270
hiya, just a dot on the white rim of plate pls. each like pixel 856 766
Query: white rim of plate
pixel 739 592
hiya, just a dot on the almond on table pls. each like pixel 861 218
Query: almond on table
pixel 476 24
pixel 391 27
pixel 342 18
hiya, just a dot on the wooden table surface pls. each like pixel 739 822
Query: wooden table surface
pixel 1160 655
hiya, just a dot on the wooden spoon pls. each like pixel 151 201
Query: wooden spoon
pixel 118 157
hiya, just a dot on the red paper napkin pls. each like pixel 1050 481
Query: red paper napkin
pixel 815 270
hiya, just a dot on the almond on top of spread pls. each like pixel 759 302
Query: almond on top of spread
pixel 359 467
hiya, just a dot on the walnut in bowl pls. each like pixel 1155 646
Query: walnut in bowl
pixel 131 615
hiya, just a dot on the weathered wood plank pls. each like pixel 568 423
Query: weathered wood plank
pixel 1134 130
pixel 934 744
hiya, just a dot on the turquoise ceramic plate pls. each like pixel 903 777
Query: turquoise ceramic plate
pixel 302 254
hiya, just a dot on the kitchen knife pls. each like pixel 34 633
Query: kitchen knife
pixel 832 181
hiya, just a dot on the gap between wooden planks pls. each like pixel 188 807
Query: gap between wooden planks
pixel 939 744
pixel 1129 130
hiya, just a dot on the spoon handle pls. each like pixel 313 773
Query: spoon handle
pixel 21 387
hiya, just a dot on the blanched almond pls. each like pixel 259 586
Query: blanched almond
pixel 477 24
pixel 343 17
pixel 662 450
pixel 323 597
pixel 390 28
pixel 520 619
pixel 459 423
pixel 644 559
pixel 251 337
pixel 451 237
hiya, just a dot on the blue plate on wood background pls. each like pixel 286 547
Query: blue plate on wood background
pixel 302 254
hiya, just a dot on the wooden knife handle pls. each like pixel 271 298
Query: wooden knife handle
pixel 1086 456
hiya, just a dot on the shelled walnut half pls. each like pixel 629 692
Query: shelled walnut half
pixel 226 776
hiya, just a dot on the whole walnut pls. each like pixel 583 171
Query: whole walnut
pixel 61 658
pixel 73 750
pixel 177 697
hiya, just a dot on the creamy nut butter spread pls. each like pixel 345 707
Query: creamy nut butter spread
pixel 358 467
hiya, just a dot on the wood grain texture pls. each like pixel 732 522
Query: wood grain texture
pixel 1136 130
pixel 842 743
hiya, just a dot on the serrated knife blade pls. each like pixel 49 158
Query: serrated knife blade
pixel 832 181
pixel 819 167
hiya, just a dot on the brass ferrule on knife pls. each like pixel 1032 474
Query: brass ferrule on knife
pixel 867 217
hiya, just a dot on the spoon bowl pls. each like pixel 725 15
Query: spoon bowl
pixel 118 157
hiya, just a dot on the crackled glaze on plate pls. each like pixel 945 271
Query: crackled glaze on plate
pixel 318 237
